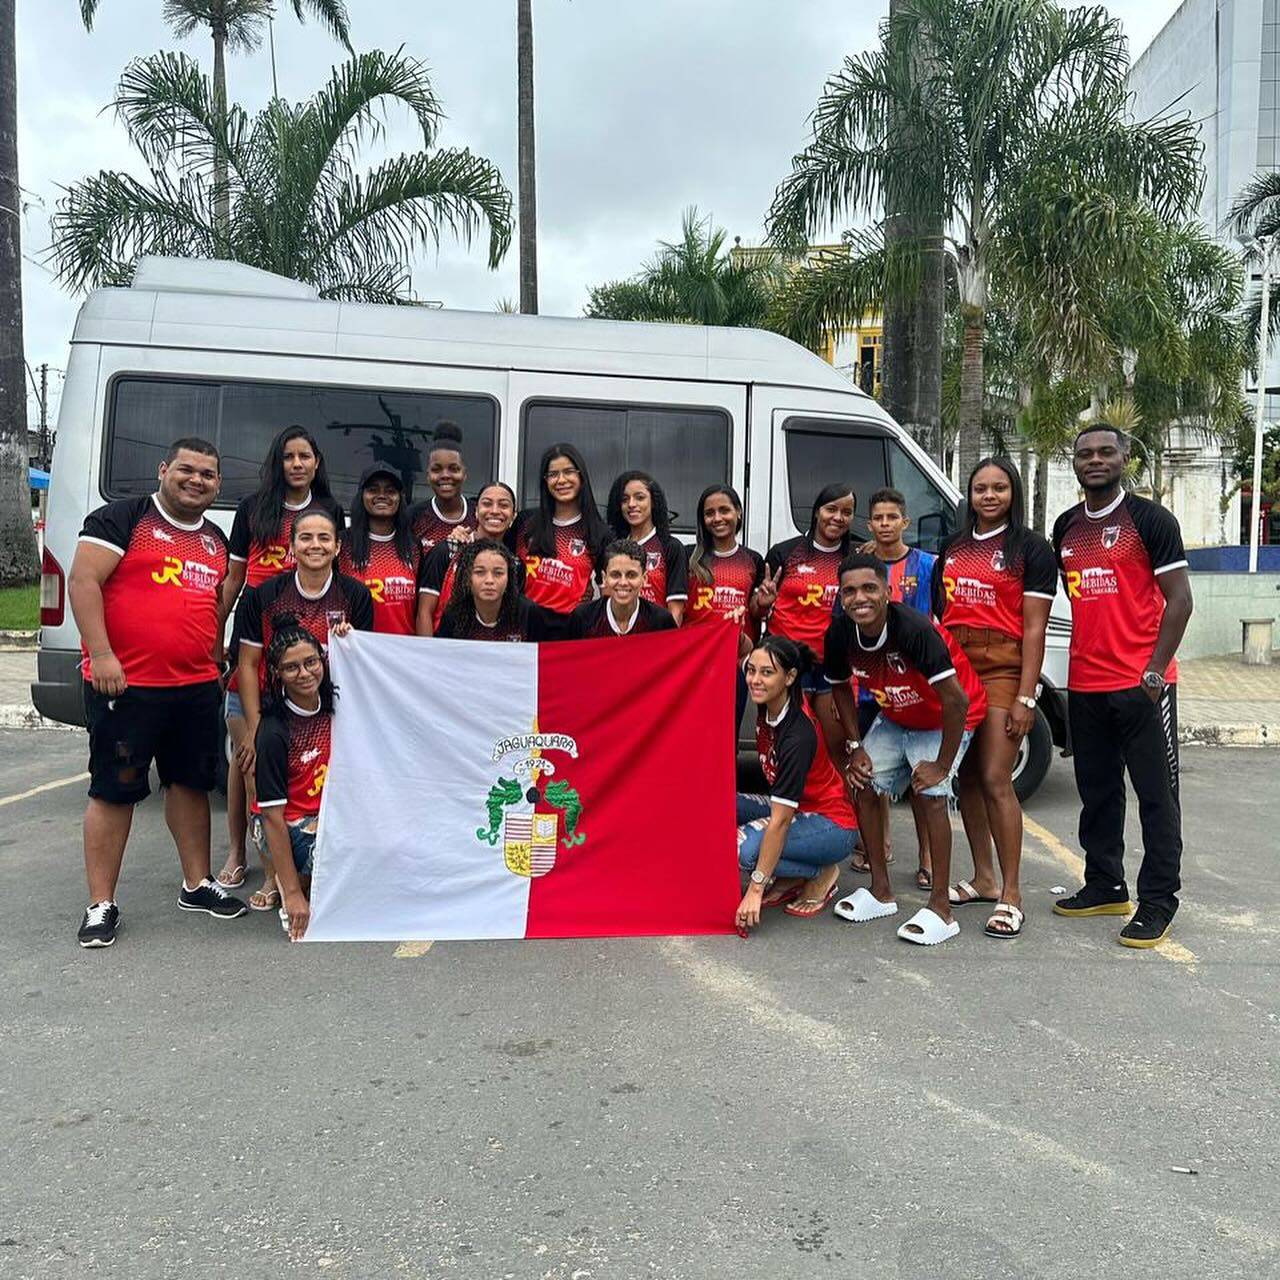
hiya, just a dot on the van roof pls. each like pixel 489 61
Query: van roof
pixel 200 304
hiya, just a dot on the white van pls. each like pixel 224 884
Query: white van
pixel 233 354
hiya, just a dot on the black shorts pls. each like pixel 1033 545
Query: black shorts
pixel 179 728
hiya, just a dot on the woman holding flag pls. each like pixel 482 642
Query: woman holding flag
pixel 486 602
pixel 292 763
pixel 495 514
pixel 804 827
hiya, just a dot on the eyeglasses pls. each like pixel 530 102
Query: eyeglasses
pixel 567 474
pixel 313 663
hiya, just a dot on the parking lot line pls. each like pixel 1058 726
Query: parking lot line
pixel 44 786
pixel 411 950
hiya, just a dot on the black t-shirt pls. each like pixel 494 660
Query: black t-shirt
pixel 260 606
pixel 593 621
pixel 902 666
pixel 531 623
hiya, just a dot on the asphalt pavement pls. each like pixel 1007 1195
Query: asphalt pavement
pixel 821 1100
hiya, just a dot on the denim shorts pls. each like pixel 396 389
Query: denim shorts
pixel 896 751
pixel 233 706
pixel 302 840
pixel 814 681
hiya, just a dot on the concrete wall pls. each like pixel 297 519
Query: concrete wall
pixel 1222 600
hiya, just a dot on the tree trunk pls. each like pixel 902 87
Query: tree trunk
pixel 526 169
pixel 930 320
pixel 18 560
pixel 1040 512
pixel 972 389
pixel 221 191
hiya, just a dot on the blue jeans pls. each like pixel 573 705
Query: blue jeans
pixel 896 751
pixel 302 841
pixel 813 840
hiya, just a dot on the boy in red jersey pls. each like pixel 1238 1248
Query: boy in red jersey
pixel 931 700
pixel 1125 571
pixel 145 591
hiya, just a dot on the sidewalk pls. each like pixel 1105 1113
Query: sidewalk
pixel 1221 702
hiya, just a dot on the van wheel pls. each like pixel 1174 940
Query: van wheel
pixel 1033 758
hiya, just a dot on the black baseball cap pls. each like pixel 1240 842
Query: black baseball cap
pixel 380 469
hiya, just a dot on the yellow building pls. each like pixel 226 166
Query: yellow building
pixel 855 351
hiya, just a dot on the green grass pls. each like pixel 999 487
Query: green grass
pixel 19 608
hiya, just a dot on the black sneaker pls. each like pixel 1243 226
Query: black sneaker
pixel 98 928
pixel 1146 929
pixel 1094 902
pixel 211 898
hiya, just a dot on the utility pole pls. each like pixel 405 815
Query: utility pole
pixel 45 451
pixel 526 169
pixel 1265 244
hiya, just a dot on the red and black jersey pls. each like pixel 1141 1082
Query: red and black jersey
pixel 292 763
pixel 439 568
pixel 1110 561
pixel 901 666
pixel 980 589
pixel 797 767
pixel 265 560
pixel 431 528
pixel 281 595
pixel 531 623
pixel 595 621
pixel 734 576
pixel 666 567
pixel 392 583
pixel 160 603
pixel 807 591
pixel 563 581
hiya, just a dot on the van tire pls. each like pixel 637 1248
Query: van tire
pixel 1033 758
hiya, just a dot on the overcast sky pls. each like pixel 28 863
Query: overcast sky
pixel 643 107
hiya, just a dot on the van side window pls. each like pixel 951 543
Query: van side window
pixel 354 426
pixel 933 514
pixel 818 457
pixel 683 449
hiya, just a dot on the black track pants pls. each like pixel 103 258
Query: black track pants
pixel 1109 733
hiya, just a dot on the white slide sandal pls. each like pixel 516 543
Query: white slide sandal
pixel 933 929
pixel 862 905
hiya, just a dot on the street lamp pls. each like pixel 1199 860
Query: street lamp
pixel 1265 246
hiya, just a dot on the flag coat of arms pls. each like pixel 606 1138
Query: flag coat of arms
pixel 574 789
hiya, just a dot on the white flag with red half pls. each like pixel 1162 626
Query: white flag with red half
pixel 575 789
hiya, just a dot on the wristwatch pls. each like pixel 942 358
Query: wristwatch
pixel 1153 680
pixel 1027 701
pixel 758 877
pixel 851 745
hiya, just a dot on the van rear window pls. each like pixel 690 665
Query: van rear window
pixel 355 427
pixel 684 449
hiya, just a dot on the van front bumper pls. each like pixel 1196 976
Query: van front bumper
pixel 58 691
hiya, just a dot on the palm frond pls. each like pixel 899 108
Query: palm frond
pixel 1256 209
pixel 331 14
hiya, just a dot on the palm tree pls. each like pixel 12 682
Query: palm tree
pixel 1009 87
pixel 17 540
pixel 298 204
pixel 526 175
pixel 694 280
pixel 237 24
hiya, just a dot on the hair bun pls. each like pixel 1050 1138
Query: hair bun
pixel 446 433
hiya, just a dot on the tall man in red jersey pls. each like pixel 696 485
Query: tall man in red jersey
pixel 145 588
pixel 1125 571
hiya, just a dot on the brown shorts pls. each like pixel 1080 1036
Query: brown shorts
pixel 997 658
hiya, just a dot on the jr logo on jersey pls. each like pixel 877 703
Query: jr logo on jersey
pixel 170 571
pixel 273 558
pixel 318 781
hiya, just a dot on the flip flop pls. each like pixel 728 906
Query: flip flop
pixel 864 868
pixel 933 929
pixel 924 878
pixel 971 894
pixel 781 899
pixel 862 905
pixel 266 900
pixel 807 907
pixel 235 879
pixel 1008 914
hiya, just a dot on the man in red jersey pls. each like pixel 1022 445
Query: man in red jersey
pixel 145 590
pixel 930 700
pixel 1125 571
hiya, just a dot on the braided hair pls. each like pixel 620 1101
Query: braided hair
pixel 461 609
pixel 287 632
